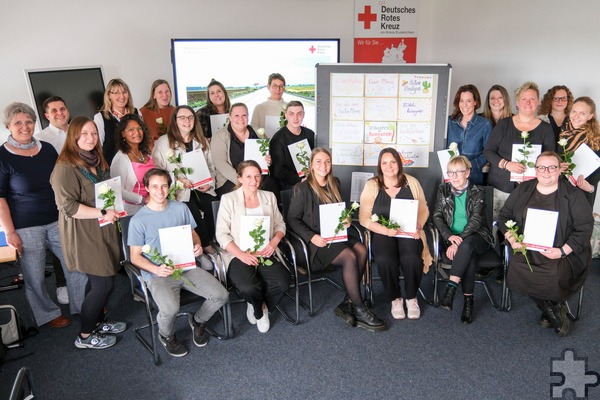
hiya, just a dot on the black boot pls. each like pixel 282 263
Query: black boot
pixel 544 322
pixel 467 314
pixel 367 320
pixel 344 311
pixel 557 315
pixel 448 296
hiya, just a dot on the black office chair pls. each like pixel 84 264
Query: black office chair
pixel 292 293
pixel 140 292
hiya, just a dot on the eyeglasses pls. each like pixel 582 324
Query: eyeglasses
pixel 131 130
pixel 19 124
pixel 188 118
pixel 278 86
pixel 117 92
pixel 456 173
pixel 559 99
pixel 543 168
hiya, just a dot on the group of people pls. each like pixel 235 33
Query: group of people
pixel 50 203
pixel 561 124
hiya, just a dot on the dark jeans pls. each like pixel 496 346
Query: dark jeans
pixel 391 254
pixel 264 284
pixel 465 260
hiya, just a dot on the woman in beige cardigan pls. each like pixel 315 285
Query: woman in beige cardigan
pixel 258 277
pixel 389 251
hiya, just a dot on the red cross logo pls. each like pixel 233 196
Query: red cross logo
pixel 312 49
pixel 367 17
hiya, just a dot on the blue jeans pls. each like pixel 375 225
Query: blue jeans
pixel 36 239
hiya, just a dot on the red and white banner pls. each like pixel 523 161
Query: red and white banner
pixel 385 31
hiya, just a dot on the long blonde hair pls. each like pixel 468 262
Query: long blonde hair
pixel 330 193
pixel 112 85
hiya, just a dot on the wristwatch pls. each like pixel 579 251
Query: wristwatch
pixel 103 212
pixel 562 253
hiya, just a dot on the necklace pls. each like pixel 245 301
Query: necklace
pixel 117 114
pixel 140 158
pixel 523 122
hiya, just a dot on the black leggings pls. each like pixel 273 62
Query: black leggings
pixel 96 295
pixel 465 260
pixel 353 261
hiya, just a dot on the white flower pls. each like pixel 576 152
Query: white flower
pixel 179 185
pixel 354 206
pixel 300 145
pixel 374 218
pixel 524 135
pixel 510 224
pixel 103 189
pixel 258 222
pixel 260 132
pixel 159 120
pixel 453 146
pixel 562 142
pixel 283 107
pixel 146 249
pixel 170 153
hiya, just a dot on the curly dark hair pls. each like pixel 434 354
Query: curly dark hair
pixel 120 141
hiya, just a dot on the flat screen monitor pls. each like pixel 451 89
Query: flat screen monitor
pixel 244 65
pixel 82 88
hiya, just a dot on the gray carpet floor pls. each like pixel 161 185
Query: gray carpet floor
pixel 502 355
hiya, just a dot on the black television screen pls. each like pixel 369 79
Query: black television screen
pixel 81 88
pixel 243 66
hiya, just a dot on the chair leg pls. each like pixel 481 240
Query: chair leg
pixel 575 317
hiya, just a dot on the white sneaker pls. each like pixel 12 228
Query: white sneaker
pixel 62 295
pixel 398 308
pixel 264 324
pixel 250 314
pixel 412 305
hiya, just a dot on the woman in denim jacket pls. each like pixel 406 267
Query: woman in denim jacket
pixel 469 130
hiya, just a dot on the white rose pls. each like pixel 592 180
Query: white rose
pixel 510 224
pixel 374 218
pixel 103 189
pixel 283 107
pixel 260 132
pixel 179 185
pixel 146 249
pixel 562 142
pixel 354 206
pixel 524 135
pixel 453 146
pixel 159 120
pixel 258 222
pixel 170 154
pixel 300 145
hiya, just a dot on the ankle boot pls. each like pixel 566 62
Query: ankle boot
pixel 344 311
pixel 367 320
pixel 467 314
pixel 557 315
pixel 448 297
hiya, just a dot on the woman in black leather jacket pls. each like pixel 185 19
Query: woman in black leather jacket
pixel 459 215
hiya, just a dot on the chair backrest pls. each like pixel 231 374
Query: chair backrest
pixel 215 210
pixel 124 230
pixel 286 199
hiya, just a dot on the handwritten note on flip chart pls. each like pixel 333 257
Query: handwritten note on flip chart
pixel 347 85
pixel 414 110
pixel 414 133
pixel 414 156
pixel 381 85
pixel 348 108
pixel 347 131
pixel 381 109
pixel 380 132
pixel 371 153
pixel 347 154
pixel 416 85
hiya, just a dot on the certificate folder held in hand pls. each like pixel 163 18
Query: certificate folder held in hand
pixel 176 243
pixel 329 218
pixel 404 212
pixel 540 228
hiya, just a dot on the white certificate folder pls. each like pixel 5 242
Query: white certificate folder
pixel 540 228
pixel 329 218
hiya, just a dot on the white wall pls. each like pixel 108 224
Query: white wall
pixel 507 42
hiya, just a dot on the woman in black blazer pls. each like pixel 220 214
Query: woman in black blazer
pixel 320 187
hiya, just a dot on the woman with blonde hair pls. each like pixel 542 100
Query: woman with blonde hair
pixel 117 104
pixel 321 187
pixel 158 109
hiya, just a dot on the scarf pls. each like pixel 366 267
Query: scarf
pixel 27 146
pixel 574 136
pixel 90 158
pixel 459 192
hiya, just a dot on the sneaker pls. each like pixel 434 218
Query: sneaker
pixel 172 346
pixel 62 295
pixel 95 341
pixel 199 331
pixel 398 308
pixel 264 324
pixel 412 305
pixel 111 327
pixel 250 314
